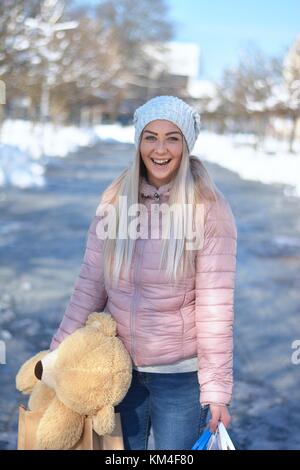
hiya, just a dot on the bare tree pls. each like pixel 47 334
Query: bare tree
pixel 14 45
pixel 246 91
pixel 32 52
pixel 134 25
pixel 291 75
pixel 57 58
pixel 92 65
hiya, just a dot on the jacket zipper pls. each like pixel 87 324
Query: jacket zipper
pixel 136 277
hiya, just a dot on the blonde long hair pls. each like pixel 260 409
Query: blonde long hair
pixel 191 185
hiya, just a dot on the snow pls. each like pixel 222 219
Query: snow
pixel 115 132
pixel 235 152
pixel 50 140
pixel 272 165
pixel 23 145
pixel 18 169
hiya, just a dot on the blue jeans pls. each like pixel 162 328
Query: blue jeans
pixel 167 402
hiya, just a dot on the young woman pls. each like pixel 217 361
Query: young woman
pixel 172 298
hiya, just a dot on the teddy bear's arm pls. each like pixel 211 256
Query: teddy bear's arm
pixel 60 428
pixel 40 397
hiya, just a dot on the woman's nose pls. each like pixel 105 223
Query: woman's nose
pixel 160 147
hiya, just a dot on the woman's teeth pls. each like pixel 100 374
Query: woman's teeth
pixel 160 162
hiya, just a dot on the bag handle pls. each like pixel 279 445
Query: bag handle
pixel 225 441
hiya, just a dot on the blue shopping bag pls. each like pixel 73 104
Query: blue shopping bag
pixel 201 443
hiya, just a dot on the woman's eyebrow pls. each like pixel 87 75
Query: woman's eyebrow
pixel 167 133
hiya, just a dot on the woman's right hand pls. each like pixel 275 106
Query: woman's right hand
pixel 218 413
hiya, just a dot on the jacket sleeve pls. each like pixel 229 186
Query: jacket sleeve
pixel 89 292
pixel 215 281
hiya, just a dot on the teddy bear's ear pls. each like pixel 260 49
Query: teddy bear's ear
pixel 103 322
pixel 25 378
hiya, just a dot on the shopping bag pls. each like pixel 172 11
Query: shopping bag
pixel 220 440
pixel 224 438
pixel 201 443
pixel 89 440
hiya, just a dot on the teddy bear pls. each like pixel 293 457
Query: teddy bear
pixel 86 376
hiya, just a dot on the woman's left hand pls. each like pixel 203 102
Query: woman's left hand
pixel 218 413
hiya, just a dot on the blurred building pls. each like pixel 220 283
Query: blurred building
pixel 174 71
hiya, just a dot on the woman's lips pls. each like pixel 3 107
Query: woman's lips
pixel 165 164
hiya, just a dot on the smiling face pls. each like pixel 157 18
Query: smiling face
pixel 161 150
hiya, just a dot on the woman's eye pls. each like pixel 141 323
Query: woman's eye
pixel 151 137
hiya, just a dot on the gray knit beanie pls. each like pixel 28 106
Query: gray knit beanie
pixel 172 109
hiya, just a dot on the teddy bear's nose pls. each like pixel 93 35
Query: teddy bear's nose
pixel 38 370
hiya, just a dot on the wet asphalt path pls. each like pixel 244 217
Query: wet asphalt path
pixel 42 236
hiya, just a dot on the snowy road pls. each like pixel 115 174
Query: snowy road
pixel 42 235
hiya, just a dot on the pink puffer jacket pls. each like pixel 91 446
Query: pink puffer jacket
pixel 161 323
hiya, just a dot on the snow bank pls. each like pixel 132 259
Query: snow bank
pixel 274 164
pixel 23 144
pixel 235 152
pixel 18 169
pixel 48 139
pixel 28 142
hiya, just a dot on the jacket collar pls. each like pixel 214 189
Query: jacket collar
pixel 148 190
